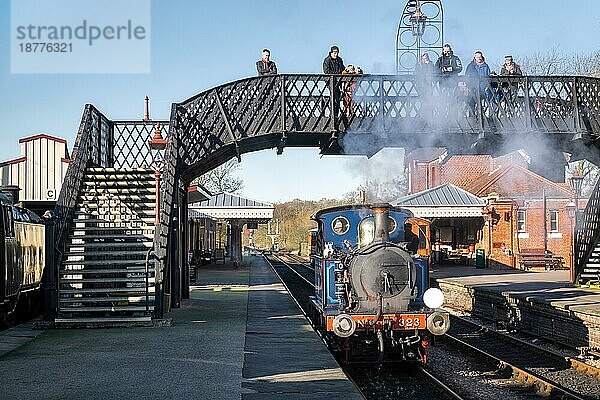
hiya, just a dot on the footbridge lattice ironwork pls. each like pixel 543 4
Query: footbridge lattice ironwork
pixel 346 114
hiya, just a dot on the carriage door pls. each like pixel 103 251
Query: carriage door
pixel 12 267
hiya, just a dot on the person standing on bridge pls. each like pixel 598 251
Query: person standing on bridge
pixel 333 63
pixel 478 71
pixel 265 66
pixel 449 67
pixel 509 90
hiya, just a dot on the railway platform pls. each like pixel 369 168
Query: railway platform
pixel 240 335
pixel 542 303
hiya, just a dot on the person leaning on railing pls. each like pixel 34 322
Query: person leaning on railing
pixel 265 66
pixel 509 68
pixel 448 66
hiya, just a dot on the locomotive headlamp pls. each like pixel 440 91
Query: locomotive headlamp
pixel 344 325
pixel 438 323
pixel 433 298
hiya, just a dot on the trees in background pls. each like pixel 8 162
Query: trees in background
pixel 555 61
pixel 222 179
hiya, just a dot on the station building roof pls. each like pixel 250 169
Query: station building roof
pixel 232 206
pixel 443 201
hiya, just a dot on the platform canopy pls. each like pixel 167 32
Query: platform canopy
pixel 445 201
pixel 234 207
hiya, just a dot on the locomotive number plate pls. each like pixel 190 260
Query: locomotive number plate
pixel 412 321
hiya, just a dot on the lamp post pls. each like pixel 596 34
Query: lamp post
pixel 157 146
pixel 576 182
pixel 572 212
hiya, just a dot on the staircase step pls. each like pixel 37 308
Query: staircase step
pixel 146 213
pixel 106 280
pixel 134 291
pixel 97 253
pixel 95 245
pixel 115 203
pixel 129 299
pixel 121 191
pixel 88 271
pixel 138 237
pixel 103 322
pixel 105 309
pixel 140 261
pixel 131 198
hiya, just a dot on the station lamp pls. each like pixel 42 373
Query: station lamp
pixel 418 21
pixel 576 182
pixel 157 147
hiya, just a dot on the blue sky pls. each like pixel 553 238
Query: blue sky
pixel 198 44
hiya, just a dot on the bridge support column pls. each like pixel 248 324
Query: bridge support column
pixel 236 242
pixel 183 250
pixel 50 277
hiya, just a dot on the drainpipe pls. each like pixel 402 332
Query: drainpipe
pixel 512 235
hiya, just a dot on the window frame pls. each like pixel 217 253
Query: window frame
pixel 522 221
pixel 554 213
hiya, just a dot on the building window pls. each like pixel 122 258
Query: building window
pixel 553 220
pixel 521 221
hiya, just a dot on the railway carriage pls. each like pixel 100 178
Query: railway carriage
pixel 22 256
pixel 372 294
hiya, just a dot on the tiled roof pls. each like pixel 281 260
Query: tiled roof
pixel 426 154
pixel 445 195
pixel 518 182
pixel 462 170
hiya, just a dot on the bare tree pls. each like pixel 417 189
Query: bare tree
pixel 586 64
pixel 556 62
pixel 222 179
pixel 551 62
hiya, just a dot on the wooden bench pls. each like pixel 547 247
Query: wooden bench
pixel 531 258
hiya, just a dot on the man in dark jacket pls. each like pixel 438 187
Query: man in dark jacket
pixel 265 66
pixel 448 66
pixel 333 63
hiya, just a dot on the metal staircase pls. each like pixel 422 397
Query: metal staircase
pixel 591 269
pixel 105 277
pixel 587 241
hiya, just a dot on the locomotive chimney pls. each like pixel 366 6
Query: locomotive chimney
pixel 381 214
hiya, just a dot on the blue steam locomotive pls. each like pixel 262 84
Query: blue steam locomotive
pixel 371 289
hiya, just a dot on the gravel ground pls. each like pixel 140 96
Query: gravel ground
pixel 471 378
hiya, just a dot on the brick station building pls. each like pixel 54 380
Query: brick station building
pixel 523 212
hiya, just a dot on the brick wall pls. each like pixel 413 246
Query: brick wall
pixel 502 241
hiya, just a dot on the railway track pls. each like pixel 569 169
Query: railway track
pixel 298 277
pixel 545 372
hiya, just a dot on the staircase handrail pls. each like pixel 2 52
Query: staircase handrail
pixel 587 231
pixel 89 150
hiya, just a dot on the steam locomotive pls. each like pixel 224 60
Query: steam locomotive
pixel 371 294
pixel 22 257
